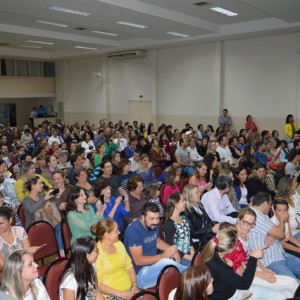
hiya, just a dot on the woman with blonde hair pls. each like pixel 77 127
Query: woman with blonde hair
pixel 201 226
pixel 115 272
pixel 20 277
pixel 226 281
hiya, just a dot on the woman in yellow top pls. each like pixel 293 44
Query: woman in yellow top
pixel 290 126
pixel 115 272
pixel 27 171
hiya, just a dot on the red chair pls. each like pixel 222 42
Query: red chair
pixel 66 236
pixel 40 233
pixel 196 258
pixel 21 214
pixel 183 183
pixel 53 275
pixel 145 295
pixel 167 281
pixel 162 189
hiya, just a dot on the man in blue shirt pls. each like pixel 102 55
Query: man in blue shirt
pixel 142 241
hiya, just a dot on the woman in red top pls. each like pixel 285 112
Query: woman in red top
pixel 250 124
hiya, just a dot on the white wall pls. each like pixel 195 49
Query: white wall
pixel 258 76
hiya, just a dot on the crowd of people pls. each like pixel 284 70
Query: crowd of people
pixel 138 198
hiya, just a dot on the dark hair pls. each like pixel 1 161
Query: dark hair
pixel 74 194
pixel 208 160
pixel 77 172
pixel 247 118
pixel 132 182
pixel 260 198
pixel 287 120
pixel 30 182
pixel 152 207
pixel 193 284
pixel 170 177
pixel 104 161
pixel 100 186
pixel 124 162
pixel 280 202
pixel 236 172
pixel 74 158
pixel 78 264
pixel 170 206
pixel 296 143
pixel 220 138
pixel 6 213
pixel 223 182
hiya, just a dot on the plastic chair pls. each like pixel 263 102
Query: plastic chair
pixel 21 214
pixel 145 295
pixel 183 183
pixel 167 281
pixel 196 258
pixel 66 236
pixel 53 275
pixel 40 233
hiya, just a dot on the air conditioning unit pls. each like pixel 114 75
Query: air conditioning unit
pixel 127 54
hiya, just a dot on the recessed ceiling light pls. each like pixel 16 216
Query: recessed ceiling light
pixel 224 11
pixel 39 42
pixel 177 34
pixel 51 23
pixel 104 32
pixel 28 46
pixel 85 48
pixel 69 11
pixel 132 24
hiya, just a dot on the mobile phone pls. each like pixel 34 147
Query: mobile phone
pixel 101 198
pixel 54 192
pixel 123 198
pixel 45 187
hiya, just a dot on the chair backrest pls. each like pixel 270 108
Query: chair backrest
pixel 167 281
pixel 53 275
pixel 183 183
pixel 40 233
pixel 196 258
pixel 145 295
pixel 157 171
pixel 162 189
pixel 21 214
pixel 66 236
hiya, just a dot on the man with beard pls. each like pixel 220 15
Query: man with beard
pixel 142 240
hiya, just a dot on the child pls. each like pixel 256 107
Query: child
pixel 3 167
pixel 152 193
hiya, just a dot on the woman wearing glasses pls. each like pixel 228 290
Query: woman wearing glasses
pixel 263 276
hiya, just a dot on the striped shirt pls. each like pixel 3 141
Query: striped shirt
pixel 257 236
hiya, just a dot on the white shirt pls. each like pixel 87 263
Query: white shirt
pixel 226 154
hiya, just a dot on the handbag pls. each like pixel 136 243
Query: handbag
pixel 49 213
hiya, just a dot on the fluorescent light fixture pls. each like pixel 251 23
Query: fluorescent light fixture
pixel 69 11
pixel 224 11
pixel 85 48
pixel 28 46
pixel 177 34
pixel 104 32
pixel 132 24
pixel 51 23
pixel 39 42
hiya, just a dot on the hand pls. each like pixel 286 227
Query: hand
pixel 269 240
pixel 135 288
pixel 216 228
pixel 169 252
pixel 240 270
pixel 177 257
pixel 127 295
pixel 284 217
pixel 118 201
pixel 62 206
pixel 259 253
pixel 268 275
pixel 208 186
pixel 100 206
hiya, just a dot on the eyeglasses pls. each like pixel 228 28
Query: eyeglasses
pixel 252 225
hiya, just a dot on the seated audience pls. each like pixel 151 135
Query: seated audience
pixel 145 171
pixel 152 193
pixel 115 273
pixel 199 178
pixel 81 216
pixel 240 190
pixel 74 283
pixel 124 172
pixel 183 157
pixel 177 230
pixel 172 185
pixel 20 277
pixel 142 240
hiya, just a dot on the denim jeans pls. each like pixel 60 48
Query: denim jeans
pixel 289 267
pixel 147 276
pixel 58 236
